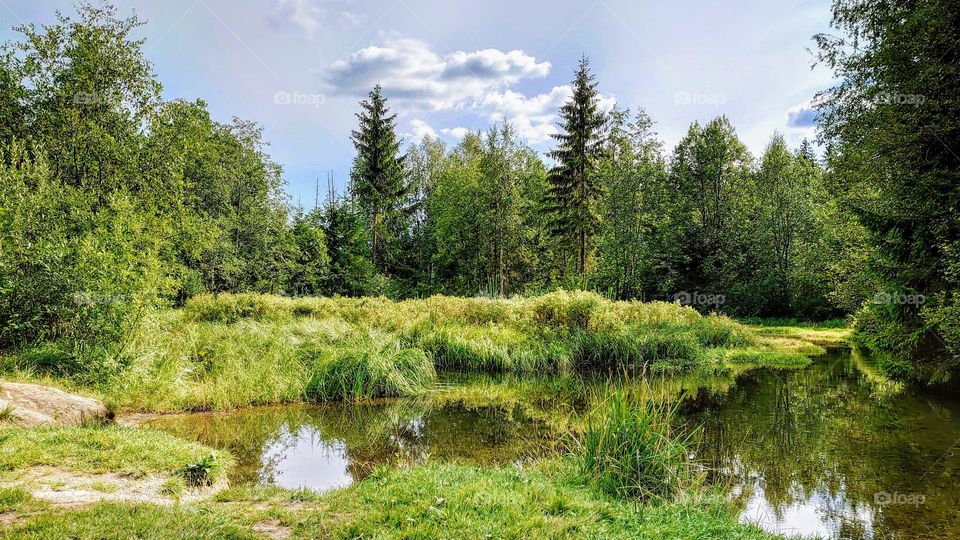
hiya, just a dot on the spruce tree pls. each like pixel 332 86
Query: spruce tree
pixel 574 186
pixel 378 180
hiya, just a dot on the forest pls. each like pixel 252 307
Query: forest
pixel 475 337
pixel 113 201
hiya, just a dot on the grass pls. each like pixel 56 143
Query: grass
pixel 377 367
pixel 431 501
pixel 6 414
pixel 456 501
pixel 628 449
pixel 128 451
pixel 225 351
pixel 833 333
pixel 122 521
pixel 12 498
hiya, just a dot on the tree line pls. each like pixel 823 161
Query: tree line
pixel 113 200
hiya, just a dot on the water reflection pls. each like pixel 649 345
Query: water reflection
pixel 833 450
pixel 332 445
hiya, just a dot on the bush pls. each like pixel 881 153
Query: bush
pixel 76 268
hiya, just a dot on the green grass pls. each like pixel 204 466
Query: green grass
pixel 430 501
pixel 225 351
pixel 377 367
pixel 128 451
pixel 12 498
pixel 456 501
pixel 628 448
pixel 122 521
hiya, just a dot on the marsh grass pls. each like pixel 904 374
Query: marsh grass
pixel 230 350
pixel 628 447
pixel 376 367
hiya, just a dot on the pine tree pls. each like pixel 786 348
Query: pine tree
pixel 378 180
pixel 574 188
pixel 351 272
pixel 806 151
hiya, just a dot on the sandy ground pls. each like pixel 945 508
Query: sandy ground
pixel 69 488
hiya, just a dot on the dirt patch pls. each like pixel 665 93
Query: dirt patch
pixel 66 488
pixel 30 405
pixel 273 529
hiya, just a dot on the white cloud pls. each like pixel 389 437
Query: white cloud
pixel 299 14
pixel 421 129
pixel 533 117
pixel 458 132
pixel 414 75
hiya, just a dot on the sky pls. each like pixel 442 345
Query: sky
pixel 299 67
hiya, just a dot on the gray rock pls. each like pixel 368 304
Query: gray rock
pixel 37 405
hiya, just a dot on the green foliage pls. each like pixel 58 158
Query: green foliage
pixel 201 473
pixel 73 271
pixel 628 449
pixel 310 269
pixel 112 202
pixel 378 366
pixel 892 122
pixel 574 189
pixel 637 240
pixel 377 178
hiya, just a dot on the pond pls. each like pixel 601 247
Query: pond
pixel 832 450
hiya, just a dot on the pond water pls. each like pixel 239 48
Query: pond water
pixel 832 450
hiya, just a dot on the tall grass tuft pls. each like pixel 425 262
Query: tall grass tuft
pixel 378 366
pixel 629 449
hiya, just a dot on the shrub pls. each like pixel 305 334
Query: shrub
pixel 76 268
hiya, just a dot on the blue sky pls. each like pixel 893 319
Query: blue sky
pixel 298 67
